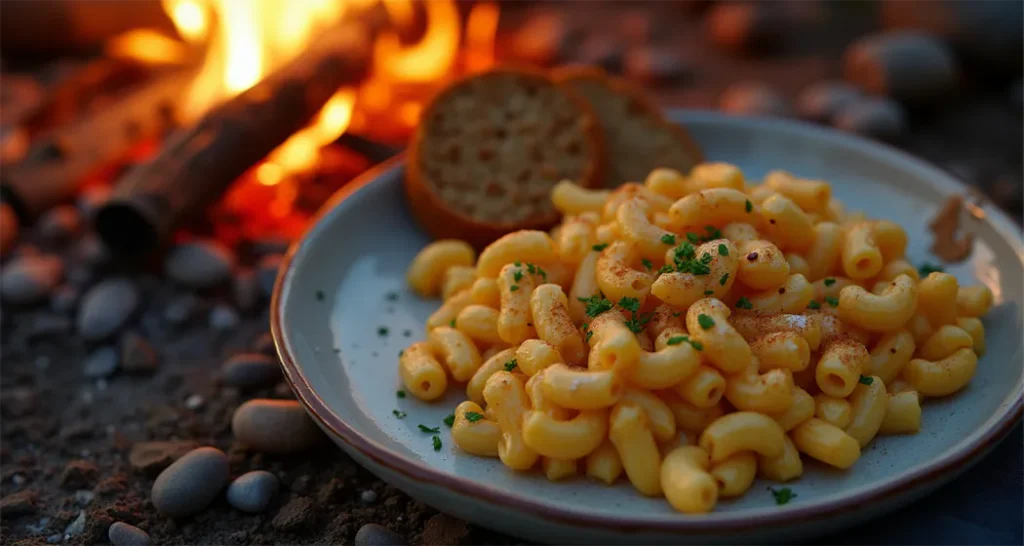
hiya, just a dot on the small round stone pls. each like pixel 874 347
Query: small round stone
pixel 9 228
pixel 252 491
pixel 372 534
pixel 910 67
pixel 754 99
pixel 223 317
pixel 874 117
pixel 106 307
pixel 274 426
pixel 122 534
pixel 101 363
pixel 250 370
pixel 821 101
pixel 246 289
pixel 191 483
pixel 368 496
pixel 59 224
pixel 181 309
pixel 267 270
pixel 29 279
pixel 199 264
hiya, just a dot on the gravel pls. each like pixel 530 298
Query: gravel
pixel 138 355
pixel 181 309
pixel 250 370
pixel 910 67
pixel 122 534
pixel 200 264
pixel 191 483
pixel 253 491
pixel 29 279
pixel 101 363
pixel 372 534
pixel 368 496
pixel 152 457
pixel 223 317
pixel 106 307
pixel 274 426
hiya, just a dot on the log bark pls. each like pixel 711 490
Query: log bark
pixel 197 164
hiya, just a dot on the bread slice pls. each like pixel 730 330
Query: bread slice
pixel 637 135
pixel 490 147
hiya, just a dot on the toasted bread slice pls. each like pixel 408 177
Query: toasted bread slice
pixel 490 147
pixel 637 135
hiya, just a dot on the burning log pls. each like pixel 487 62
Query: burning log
pixel 197 164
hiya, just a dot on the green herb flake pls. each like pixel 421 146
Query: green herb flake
pixel 676 340
pixel 724 279
pixel 693 238
pixel 813 304
pixel 709 292
pixel 665 269
pixel 511 365
pixel 749 206
pixel 697 345
pixel 400 394
pixel 429 430
pixel 589 335
pixel 600 247
pixel 517 263
pixel 867 379
pixel 401 352
pixel 706 258
pixel 723 250
pixel 713 233
pixel 473 416
pixel 450 420
pixel 744 303
pixel 451 323
pixel 382 331
pixel 320 295
pixel 517 275
pixel 832 300
pixel 630 304
pixel 782 496
pixel 647 263
pixel 829 281
pixel 668 239
pixel 437 443
pixel 513 288
pixel 928 268
pixel 705 321
pixel 398 414
pixel 596 304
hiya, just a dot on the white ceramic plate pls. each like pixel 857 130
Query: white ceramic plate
pixel 333 297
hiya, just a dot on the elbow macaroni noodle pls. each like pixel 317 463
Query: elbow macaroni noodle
pixel 690 333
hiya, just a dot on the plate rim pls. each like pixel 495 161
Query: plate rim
pixel 947 466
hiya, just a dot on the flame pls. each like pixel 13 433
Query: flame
pixel 428 60
pixel 148 46
pixel 481 28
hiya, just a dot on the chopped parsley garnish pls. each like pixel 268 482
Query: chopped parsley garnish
pixel 744 303
pixel 867 379
pixel 586 328
pixel 382 331
pixel 425 428
pixel 668 239
pixel 927 269
pixel 517 275
pixel 749 206
pixel 706 259
pixel 647 263
pixel 391 296
pixel 511 365
pixel 676 340
pixel 713 233
pixel 829 281
pixel 724 279
pixel 473 416
pixel 596 305
pixel 513 288
pixel 600 247
pixel 723 250
pixel 634 323
pixel 665 269
pixel 536 270
pixel 832 300
pixel 692 237
pixel 683 256
pixel 709 292
pixel 401 352
pixel 400 394
pixel 437 443
pixel 782 496
pixel 517 263
pixel 398 414
pixel 813 304
pixel 450 420
pixel 451 323
pixel 696 345
pixel 630 304
pixel 705 321
pixel 320 295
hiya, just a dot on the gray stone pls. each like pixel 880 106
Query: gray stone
pixel 910 67
pixel 246 289
pixel 59 224
pixel 821 101
pixel 754 99
pixel 29 279
pixel 274 426
pixel 138 355
pixel 223 317
pixel 101 363
pixel 182 308
pixel 368 496
pixel 252 491
pixel 199 264
pixel 77 526
pixel 122 534
pixel 267 270
pixel 372 534
pixel 250 370
pixel 106 307
pixel 874 117
pixel 191 483
pixel 64 298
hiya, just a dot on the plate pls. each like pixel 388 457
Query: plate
pixel 341 312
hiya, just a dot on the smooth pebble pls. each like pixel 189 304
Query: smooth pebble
pixel 191 483
pixel 59 224
pixel 101 363
pixel 274 426
pixel 246 289
pixel 250 370
pixel 122 534
pixel 29 279
pixel 372 534
pixel 821 101
pixel 199 264
pixel 106 307
pixel 223 317
pixel 910 67
pixel 754 99
pixel 875 117
pixel 368 496
pixel 267 270
pixel 252 491
pixel 179 310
